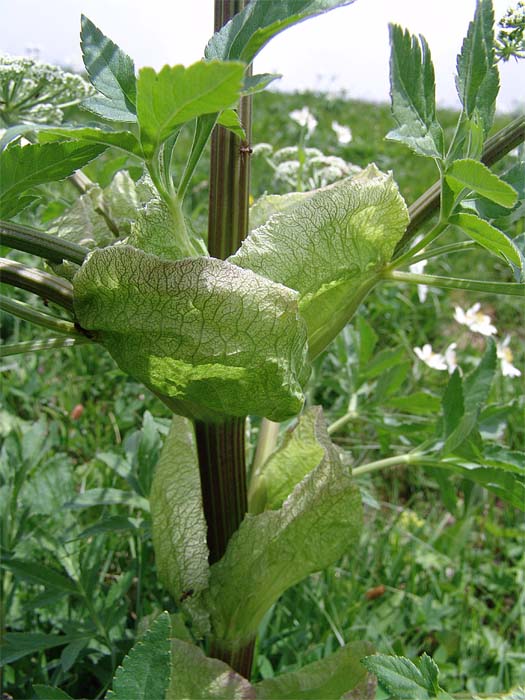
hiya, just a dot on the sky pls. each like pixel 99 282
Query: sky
pixel 345 50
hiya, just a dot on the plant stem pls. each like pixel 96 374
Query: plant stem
pixel 507 288
pixel 220 446
pixel 436 231
pixel 388 462
pixel 495 148
pixel 443 250
pixel 28 313
pixel 37 345
pixel 39 243
pixel 49 287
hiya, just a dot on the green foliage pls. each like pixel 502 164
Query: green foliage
pixel 24 168
pixel 403 679
pixel 413 94
pixel 145 671
pixel 112 73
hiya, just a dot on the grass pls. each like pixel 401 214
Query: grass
pixel 433 572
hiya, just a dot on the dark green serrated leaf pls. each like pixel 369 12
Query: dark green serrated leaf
pixel 398 675
pixel 412 90
pixel 453 403
pixel 489 237
pixel 244 36
pixel 330 678
pixel 477 177
pixel 176 95
pixel 111 70
pixel 22 168
pixel 108 109
pixel 476 385
pixel 477 79
pixel 145 671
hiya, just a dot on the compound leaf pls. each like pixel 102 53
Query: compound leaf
pixel 478 178
pixel 489 237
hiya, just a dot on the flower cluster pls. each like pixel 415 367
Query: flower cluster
pixel 37 93
pixel 477 322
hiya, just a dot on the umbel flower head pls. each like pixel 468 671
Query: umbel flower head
pixel 32 92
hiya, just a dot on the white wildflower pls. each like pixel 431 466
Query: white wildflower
pixel 432 359
pixel 506 357
pixel 343 133
pixel 305 119
pixel 475 320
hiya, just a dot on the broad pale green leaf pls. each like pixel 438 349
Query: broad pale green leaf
pixel 330 679
pixel 176 95
pixel 145 671
pixel 400 677
pixel 111 70
pixel 319 521
pixel 179 526
pixel 124 140
pixel 302 450
pixel 195 676
pixel 489 237
pixel 47 692
pixel 478 178
pixel 213 338
pixel 163 231
pixel 244 36
pixel 107 497
pixel 331 248
pixel 269 204
pixel 412 89
pixel 477 79
pixel 25 167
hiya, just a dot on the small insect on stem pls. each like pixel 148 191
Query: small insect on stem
pixel 187 594
pixel 246 149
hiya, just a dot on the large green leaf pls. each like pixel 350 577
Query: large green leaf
pixel 319 521
pixel 176 95
pixel 16 645
pixel 302 450
pixel 145 671
pixel 47 692
pixel 111 71
pixel 412 90
pixel 40 574
pixel 195 676
pixel 489 237
pixel 214 339
pixel 124 140
pixel 179 527
pixel 244 36
pixel 331 678
pixel 331 248
pixel 478 178
pixel 477 78
pixel 22 168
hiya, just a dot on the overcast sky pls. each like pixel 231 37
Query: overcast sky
pixel 345 49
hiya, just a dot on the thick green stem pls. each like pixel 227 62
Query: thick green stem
pixel 30 240
pixel 28 313
pixel 409 458
pixel 38 282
